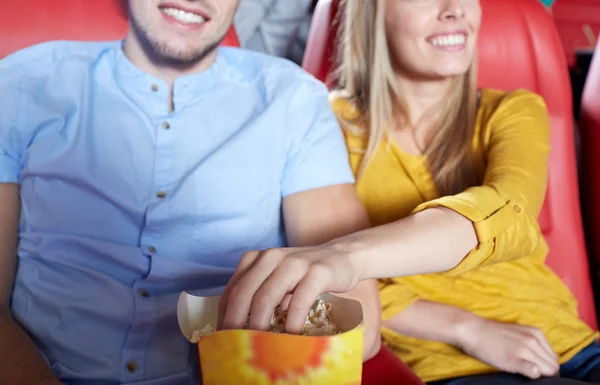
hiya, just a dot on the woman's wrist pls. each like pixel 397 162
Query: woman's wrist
pixel 354 252
pixel 465 328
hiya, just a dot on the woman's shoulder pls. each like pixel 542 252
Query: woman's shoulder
pixel 349 117
pixel 341 105
pixel 499 110
pixel 494 101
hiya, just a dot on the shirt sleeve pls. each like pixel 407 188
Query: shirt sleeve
pixel 316 151
pixel 270 26
pixel 395 297
pixel 10 111
pixel 504 210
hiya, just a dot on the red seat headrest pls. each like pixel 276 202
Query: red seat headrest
pixel 27 22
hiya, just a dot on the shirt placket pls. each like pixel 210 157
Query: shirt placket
pixel 152 238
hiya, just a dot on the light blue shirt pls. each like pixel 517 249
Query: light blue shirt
pixel 125 205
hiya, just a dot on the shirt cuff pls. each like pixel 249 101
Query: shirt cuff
pixel 489 213
pixel 491 216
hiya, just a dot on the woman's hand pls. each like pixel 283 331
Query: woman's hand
pixel 264 278
pixel 510 348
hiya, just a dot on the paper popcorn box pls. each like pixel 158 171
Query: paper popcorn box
pixel 248 357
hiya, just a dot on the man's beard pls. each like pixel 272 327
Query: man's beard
pixel 166 55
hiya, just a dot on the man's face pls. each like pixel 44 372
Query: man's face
pixel 181 32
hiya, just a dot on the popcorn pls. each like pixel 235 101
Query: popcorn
pixel 318 322
pixel 198 334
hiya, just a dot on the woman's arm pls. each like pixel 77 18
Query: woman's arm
pixel 508 347
pixel 486 224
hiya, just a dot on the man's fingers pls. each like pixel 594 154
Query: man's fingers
pixel 245 264
pixel 242 292
pixel 280 283
pixel 313 284
pixel 285 302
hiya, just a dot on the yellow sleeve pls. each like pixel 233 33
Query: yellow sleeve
pixel 505 208
pixel 395 297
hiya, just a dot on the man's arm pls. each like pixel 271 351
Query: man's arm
pixel 319 204
pixel 320 215
pixel 20 361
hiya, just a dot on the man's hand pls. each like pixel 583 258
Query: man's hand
pixel 295 277
pixel 510 348
pixel 264 278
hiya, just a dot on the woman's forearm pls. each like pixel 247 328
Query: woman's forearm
pixel 432 241
pixel 435 322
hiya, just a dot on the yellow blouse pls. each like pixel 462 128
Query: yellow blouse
pixel 505 278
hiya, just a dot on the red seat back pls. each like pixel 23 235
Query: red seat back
pixel 529 55
pixel 27 22
pixel 590 140
pixel 519 48
pixel 319 52
pixel 578 23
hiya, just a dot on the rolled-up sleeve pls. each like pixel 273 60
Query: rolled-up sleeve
pixel 504 210
pixel 10 111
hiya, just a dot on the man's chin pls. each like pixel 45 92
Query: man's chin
pixel 183 57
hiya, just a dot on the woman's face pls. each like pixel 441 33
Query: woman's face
pixel 432 39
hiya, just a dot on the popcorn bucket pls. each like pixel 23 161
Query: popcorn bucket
pixel 249 357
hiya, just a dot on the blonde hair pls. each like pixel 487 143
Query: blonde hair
pixel 365 77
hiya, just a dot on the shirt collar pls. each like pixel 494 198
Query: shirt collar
pixel 185 87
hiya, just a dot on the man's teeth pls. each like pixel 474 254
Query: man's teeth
pixel 449 40
pixel 183 16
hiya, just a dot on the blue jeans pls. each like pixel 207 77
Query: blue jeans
pixel 584 368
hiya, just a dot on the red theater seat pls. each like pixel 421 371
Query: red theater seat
pixel 529 55
pixel 27 22
pixel 578 23
pixel 519 48
pixel 589 128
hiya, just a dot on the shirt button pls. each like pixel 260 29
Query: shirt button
pixel 132 366
pixel 155 87
pixel 152 249
pixel 161 194
pixel 144 293
pixel 517 209
pixel 166 125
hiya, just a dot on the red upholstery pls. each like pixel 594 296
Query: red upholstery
pixel 529 55
pixel 386 369
pixel 578 23
pixel 27 22
pixel 589 127
pixel 519 48
pixel 318 55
